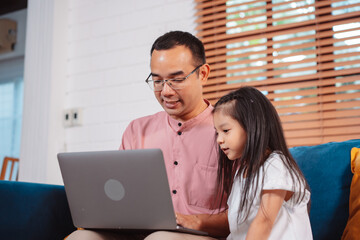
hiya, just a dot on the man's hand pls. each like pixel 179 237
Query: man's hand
pixel 189 221
pixel 214 224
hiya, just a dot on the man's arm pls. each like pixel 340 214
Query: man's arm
pixel 215 224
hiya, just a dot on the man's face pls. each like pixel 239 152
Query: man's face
pixel 181 104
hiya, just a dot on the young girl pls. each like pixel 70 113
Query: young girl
pixel 268 193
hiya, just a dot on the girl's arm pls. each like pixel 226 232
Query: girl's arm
pixel 271 202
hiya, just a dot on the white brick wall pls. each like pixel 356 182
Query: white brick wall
pixel 108 60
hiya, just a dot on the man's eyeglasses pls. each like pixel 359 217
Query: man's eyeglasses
pixel 175 83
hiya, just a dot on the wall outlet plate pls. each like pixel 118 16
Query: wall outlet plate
pixel 72 117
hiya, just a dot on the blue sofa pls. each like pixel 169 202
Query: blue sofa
pixel 40 211
pixel 33 211
pixel 327 170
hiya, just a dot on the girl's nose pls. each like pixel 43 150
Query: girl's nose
pixel 219 139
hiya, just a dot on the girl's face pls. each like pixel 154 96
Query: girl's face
pixel 231 137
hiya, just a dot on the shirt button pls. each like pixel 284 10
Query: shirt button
pixel 176 163
pixel 174 191
pixel 179 124
pixel 179 133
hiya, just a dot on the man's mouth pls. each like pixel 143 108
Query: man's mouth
pixel 170 103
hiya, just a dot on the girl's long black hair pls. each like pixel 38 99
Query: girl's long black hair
pixel 259 119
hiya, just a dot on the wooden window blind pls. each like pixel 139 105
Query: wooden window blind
pixel 303 55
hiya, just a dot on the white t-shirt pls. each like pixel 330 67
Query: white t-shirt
pixel 292 221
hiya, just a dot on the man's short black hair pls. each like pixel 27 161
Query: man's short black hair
pixel 178 38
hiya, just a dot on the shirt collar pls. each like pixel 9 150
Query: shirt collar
pixel 181 126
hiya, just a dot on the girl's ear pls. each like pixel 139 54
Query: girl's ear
pixel 204 72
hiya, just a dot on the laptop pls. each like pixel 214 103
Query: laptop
pixel 126 190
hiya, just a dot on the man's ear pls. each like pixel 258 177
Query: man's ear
pixel 204 72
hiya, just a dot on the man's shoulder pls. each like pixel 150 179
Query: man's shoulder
pixel 148 120
pixel 157 116
pixel 141 128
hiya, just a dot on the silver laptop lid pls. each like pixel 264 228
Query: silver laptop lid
pixel 118 189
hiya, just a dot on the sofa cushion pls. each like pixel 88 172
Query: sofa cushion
pixel 352 230
pixel 327 169
pixel 33 211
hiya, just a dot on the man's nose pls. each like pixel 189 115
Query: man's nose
pixel 167 90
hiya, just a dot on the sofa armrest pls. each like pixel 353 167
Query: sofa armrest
pixel 33 211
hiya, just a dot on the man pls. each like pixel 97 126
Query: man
pixel 184 132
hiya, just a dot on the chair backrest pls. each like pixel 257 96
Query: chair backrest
pixel 6 162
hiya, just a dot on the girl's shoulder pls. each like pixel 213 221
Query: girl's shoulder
pixel 275 159
pixel 278 175
pixel 275 169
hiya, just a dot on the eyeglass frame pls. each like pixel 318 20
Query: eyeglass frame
pixel 167 80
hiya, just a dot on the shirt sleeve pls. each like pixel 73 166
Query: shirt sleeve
pixel 277 176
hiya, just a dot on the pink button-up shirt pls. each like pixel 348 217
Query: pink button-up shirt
pixel 190 154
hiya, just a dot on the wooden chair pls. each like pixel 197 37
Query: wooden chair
pixel 4 168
